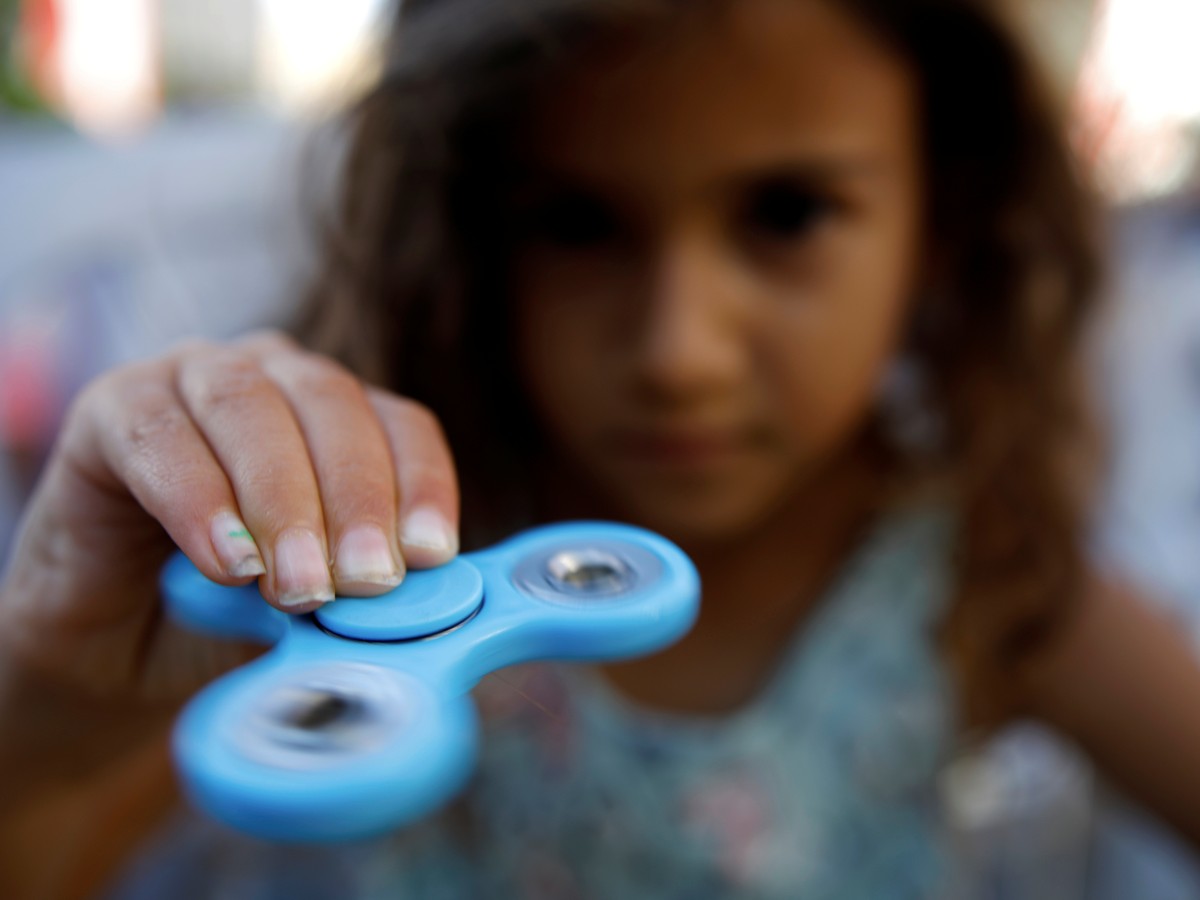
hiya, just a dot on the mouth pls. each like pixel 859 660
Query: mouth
pixel 680 449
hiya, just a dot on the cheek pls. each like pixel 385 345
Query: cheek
pixel 826 390
pixel 558 360
pixel 571 317
pixel 827 355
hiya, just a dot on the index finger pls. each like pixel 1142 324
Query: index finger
pixel 426 480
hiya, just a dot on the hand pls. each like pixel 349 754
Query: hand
pixel 257 459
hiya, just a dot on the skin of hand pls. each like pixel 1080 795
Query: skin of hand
pixel 258 460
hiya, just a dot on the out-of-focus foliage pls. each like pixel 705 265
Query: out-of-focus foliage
pixel 16 92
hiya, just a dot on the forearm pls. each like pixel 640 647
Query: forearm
pixel 62 721
pixel 54 740
pixel 69 840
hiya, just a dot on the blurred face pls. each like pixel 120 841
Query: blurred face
pixel 715 258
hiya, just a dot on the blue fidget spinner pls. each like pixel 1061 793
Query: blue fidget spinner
pixel 359 720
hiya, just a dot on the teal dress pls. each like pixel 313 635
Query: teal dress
pixel 824 786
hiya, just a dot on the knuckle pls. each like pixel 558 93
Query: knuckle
pixel 358 482
pixel 317 377
pixel 153 424
pixel 236 383
pixel 80 416
pixel 110 393
pixel 434 481
pixel 269 340
pixel 422 415
pixel 358 506
pixel 190 348
pixel 357 472
pixel 90 396
pixel 272 481
pixel 412 414
pixel 273 520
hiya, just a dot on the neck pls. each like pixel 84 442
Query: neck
pixel 768 578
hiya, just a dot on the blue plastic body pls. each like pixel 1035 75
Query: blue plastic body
pixel 359 720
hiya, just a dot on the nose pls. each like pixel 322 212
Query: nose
pixel 692 338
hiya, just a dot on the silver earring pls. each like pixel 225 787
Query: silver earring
pixel 908 419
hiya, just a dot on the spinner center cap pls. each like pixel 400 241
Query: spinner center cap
pixel 425 603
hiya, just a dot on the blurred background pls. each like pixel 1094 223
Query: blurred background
pixel 152 182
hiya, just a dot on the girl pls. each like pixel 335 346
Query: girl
pixel 800 284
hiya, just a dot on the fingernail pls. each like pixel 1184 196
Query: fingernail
pixel 235 547
pixel 301 573
pixel 365 558
pixel 427 529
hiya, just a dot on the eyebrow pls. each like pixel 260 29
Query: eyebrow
pixel 814 169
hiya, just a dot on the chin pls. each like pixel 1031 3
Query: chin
pixel 698 517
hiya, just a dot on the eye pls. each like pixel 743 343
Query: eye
pixel 571 220
pixel 782 210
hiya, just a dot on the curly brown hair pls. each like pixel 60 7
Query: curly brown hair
pixel 411 293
